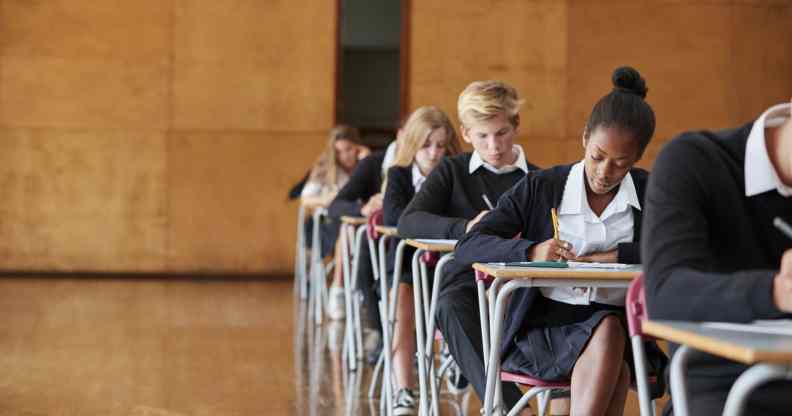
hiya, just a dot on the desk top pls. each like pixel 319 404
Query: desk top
pixel 499 271
pixel 747 346
pixel 442 246
pixel 354 220
pixel 387 230
pixel 311 203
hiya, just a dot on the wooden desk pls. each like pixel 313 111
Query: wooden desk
pixel 425 306
pixel 349 220
pixel 440 246
pixel 505 272
pixel 525 277
pixel 387 230
pixel 768 354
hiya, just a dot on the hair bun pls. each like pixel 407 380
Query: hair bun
pixel 628 79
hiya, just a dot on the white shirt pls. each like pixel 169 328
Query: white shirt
pixel 760 174
pixel 313 188
pixel 418 178
pixel 476 162
pixel 390 157
pixel 589 233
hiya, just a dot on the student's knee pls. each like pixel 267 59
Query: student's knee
pixel 611 331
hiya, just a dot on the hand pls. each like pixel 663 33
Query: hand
pixel 782 284
pixel 551 250
pixel 363 152
pixel 475 221
pixel 374 203
pixel 601 257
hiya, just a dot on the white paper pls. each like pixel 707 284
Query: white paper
pixel 770 326
pixel 586 265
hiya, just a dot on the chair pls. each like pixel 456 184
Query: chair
pixel 635 304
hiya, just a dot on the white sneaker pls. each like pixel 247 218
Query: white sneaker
pixel 336 307
pixel 405 403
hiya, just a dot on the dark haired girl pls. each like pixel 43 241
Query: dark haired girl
pixel 576 334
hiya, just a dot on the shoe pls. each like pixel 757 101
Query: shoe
pixel 373 354
pixel 405 403
pixel 456 383
pixel 336 307
pixel 335 335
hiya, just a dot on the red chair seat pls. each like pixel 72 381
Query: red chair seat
pixel 529 381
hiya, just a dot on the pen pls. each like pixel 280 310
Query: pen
pixel 783 226
pixel 554 215
pixel 487 201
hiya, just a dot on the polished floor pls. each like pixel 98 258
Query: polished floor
pixel 172 347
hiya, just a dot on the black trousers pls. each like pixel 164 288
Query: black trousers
pixel 707 396
pixel 368 287
pixel 458 320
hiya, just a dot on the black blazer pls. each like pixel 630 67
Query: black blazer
pixel 710 252
pixel 364 183
pixel 398 194
pixel 526 209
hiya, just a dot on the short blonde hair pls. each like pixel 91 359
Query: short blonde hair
pixel 483 100
pixel 416 131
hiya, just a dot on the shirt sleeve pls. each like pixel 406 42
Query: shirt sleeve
pixel 681 277
pixel 425 216
pixel 495 238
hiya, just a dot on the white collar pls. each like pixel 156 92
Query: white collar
pixel 417 177
pixel 476 162
pixel 575 192
pixel 760 175
pixel 390 156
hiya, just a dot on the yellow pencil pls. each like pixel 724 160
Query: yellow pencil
pixel 554 215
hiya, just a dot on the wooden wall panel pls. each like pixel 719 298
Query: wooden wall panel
pixel 87 199
pixel 248 64
pixel 159 136
pixel 560 54
pixel 229 190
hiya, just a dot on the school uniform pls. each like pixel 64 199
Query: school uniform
pixel 365 182
pixel 548 328
pixel 403 183
pixel 450 197
pixel 711 251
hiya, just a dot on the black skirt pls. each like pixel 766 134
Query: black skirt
pixel 553 337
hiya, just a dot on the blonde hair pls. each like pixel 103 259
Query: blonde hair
pixel 325 169
pixel 416 131
pixel 483 100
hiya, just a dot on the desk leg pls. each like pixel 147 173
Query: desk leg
pixel 749 381
pixel 678 382
pixel 349 336
pixel 357 300
pixel 317 268
pixel 496 322
pixel 423 405
pixel 299 267
pixel 430 324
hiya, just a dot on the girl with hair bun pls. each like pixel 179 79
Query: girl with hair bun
pixel 577 334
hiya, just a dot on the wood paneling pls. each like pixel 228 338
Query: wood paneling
pixel 159 135
pixel 708 64
pixel 229 190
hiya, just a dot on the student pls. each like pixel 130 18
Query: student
pixel 575 334
pixel 452 200
pixel 426 138
pixel 329 173
pixel 711 252
pixel 360 196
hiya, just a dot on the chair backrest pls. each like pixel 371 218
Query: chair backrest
pixel 430 258
pixel 374 220
pixel 635 304
pixel 484 277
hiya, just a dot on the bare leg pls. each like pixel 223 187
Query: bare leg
pixel 601 360
pixel 559 407
pixel 616 407
pixel 404 338
pixel 338 270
